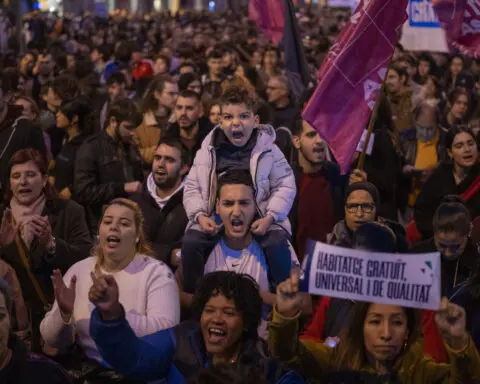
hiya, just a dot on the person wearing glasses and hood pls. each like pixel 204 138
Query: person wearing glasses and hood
pixel 362 200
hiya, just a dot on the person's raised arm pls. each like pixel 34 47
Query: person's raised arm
pixel 462 353
pixel 309 358
pixel 147 358
pixel 58 326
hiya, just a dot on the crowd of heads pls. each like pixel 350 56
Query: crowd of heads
pixel 152 125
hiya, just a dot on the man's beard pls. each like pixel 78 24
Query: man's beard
pixel 310 160
pixel 167 183
pixel 189 127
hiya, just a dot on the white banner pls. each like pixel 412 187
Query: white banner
pixel 344 3
pixel 406 280
pixel 422 31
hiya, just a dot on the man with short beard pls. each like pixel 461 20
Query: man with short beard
pixel 161 200
pixel 319 202
pixel 190 128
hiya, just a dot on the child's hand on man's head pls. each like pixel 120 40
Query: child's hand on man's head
pixel 207 225
pixel 260 227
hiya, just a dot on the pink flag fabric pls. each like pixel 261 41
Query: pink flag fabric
pixel 351 77
pixel 461 21
pixel 269 15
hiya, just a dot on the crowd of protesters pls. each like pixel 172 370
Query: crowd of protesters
pixel 159 187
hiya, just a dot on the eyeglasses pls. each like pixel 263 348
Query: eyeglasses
pixel 354 207
pixel 451 247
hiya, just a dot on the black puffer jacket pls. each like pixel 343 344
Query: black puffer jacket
pixel 165 227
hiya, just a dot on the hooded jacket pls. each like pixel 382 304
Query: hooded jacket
pixel 272 176
pixel 164 227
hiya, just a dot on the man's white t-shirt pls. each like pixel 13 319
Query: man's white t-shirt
pixel 250 261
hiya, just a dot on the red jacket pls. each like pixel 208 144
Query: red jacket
pixel 433 343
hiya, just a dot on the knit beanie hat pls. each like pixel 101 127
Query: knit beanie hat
pixel 364 186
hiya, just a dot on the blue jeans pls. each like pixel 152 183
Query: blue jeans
pixel 197 246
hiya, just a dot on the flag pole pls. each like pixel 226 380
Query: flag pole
pixel 371 124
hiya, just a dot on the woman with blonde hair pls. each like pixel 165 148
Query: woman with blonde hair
pixel 147 287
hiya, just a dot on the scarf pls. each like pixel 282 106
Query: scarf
pixel 21 212
pixel 152 190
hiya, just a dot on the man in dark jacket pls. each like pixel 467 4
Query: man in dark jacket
pixel 16 132
pixel 161 200
pixel 285 111
pixel 318 205
pixel 108 164
pixel 190 127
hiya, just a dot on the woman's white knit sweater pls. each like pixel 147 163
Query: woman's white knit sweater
pixel 148 293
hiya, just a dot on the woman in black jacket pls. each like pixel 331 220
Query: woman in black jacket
pixel 76 119
pixel 40 232
pixel 455 176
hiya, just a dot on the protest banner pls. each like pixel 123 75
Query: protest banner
pixel 422 31
pixel 406 280
pixel 352 4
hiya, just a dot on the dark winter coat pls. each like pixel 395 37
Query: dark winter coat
pixel 165 227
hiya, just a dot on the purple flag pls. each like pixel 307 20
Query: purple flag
pixel 351 77
pixel 461 21
pixel 269 16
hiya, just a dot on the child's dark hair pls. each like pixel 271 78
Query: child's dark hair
pixel 235 177
pixel 235 95
pixel 452 216
pixel 240 288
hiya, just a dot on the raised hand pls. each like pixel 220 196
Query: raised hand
pixel 289 299
pixel 260 226
pixel 8 230
pixel 64 295
pixel 357 176
pixel 104 294
pixel 451 322
pixel 207 224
